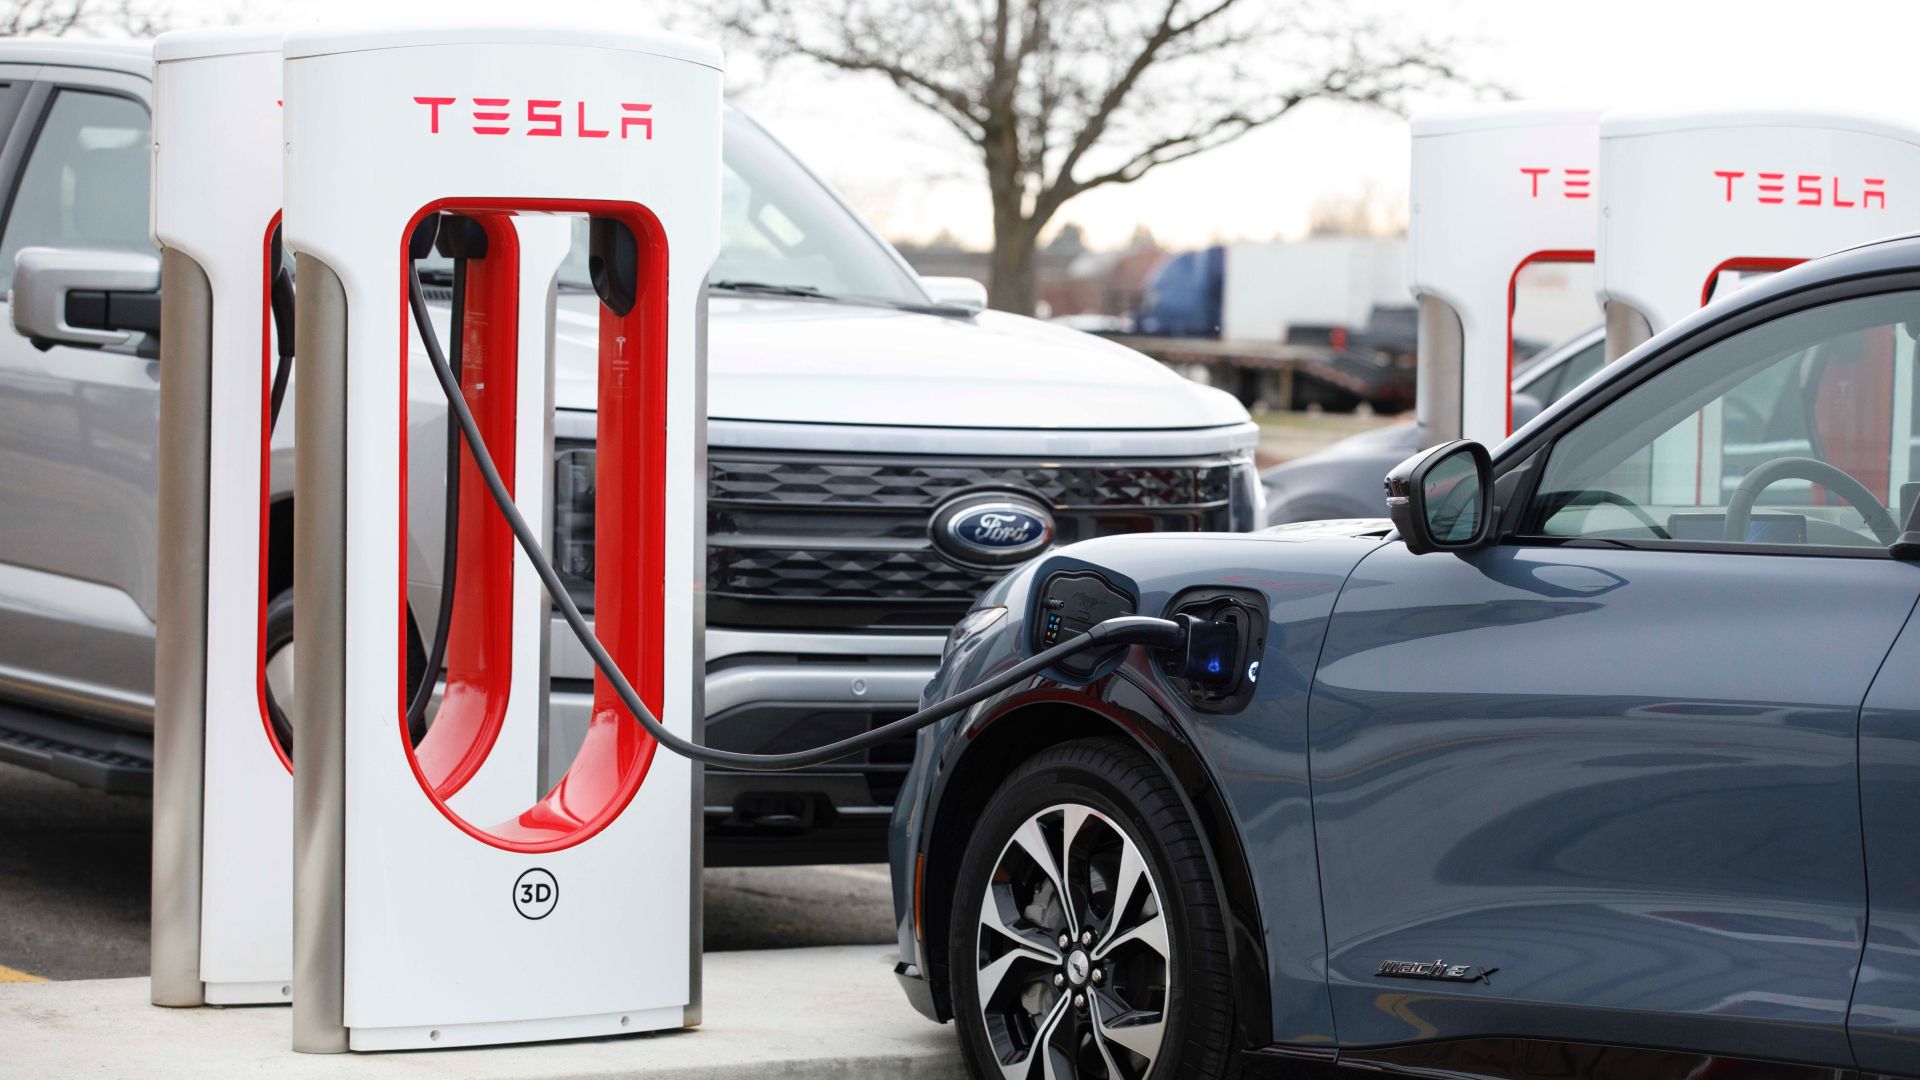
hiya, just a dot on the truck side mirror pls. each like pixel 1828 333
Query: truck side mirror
pixel 1442 499
pixel 960 292
pixel 84 296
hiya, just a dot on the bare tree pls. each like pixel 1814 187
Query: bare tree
pixel 57 18
pixel 1062 96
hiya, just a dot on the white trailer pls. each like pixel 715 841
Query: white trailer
pixel 1320 281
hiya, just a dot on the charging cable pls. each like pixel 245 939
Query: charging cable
pixel 1122 630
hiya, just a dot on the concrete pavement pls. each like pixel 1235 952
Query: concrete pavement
pixel 830 1013
pixel 74 884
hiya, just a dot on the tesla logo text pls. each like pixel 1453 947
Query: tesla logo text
pixel 1802 189
pixel 538 116
pixel 1544 183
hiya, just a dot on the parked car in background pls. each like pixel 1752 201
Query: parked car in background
pixel 1343 481
pixel 1602 758
pixel 863 420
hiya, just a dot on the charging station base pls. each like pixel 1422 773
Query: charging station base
pixel 809 1013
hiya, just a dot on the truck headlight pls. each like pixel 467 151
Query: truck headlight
pixel 1247 500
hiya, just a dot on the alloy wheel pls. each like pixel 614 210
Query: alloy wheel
pixel 1073 964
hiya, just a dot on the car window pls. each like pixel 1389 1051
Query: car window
pixel 1550 384
pixel 12 95
pixel 85 182
pixel 1574 371
pixel 1798 432
pixel 1544 387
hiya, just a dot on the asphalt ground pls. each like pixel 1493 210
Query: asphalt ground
pixel 74 886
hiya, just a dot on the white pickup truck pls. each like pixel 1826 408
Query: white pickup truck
pixel 879 451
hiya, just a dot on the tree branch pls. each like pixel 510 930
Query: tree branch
pixel 1059 97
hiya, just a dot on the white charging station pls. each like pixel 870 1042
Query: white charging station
pixel 223 791
pixel 1494 190
pixel 419 921
pixel 1692 196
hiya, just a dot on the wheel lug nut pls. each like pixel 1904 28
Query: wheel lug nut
pixel 1086 937
pixel 1059 980
pixel 1065 941
pixel 1097 976
pixel 1079 1001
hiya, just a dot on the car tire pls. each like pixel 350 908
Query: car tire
pixel 278 633
pixel 279 637
pixel 1093 1004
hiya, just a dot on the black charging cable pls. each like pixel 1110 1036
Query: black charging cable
pixel 1122 630
pixel 280 299
pixel 461 239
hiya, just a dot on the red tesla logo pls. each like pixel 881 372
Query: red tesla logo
pixel 1803 189
pixel 539 116
pixel 1561 183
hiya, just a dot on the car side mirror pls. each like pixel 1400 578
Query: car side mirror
pixel 84 296
pixel 1442 499
pixel 960 292
pixel 1525 408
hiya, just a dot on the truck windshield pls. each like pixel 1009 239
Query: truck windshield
pixel 781 233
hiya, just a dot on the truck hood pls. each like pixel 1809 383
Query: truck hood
pixel 817 362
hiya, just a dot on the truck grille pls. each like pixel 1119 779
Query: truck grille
pixel 824 481
pixel 824 541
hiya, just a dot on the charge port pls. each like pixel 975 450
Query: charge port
pixel 1226 635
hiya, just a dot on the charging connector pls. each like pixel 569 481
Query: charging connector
pixel 1211 657
pixel 1219 664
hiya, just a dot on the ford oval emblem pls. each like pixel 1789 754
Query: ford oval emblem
pixel 992 529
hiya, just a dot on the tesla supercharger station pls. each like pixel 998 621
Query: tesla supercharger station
pixel 222 912
pixel 1494 190
pixel 223 792
pixel 1693 195
pixel 1691 198
pixel 419 922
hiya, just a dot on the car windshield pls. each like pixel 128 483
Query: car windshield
pixel 1548 384
pixel 782 233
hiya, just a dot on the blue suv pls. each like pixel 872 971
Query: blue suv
pixel 1602 758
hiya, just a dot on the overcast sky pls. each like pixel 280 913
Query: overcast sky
pixel 913 178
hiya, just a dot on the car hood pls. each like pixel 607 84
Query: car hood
pixel 815 362
pixel 1334 529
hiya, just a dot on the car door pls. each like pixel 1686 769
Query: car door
pixel 1597 782
pixel 78 427
pixel 1884 1018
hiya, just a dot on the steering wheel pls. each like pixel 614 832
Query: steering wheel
pixel 1856 495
